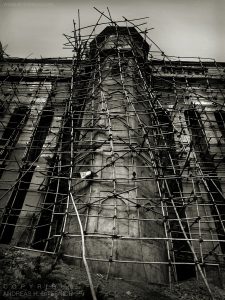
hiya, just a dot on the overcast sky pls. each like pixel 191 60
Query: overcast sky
pixel 182 27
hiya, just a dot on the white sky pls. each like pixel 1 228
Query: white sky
pixel 182 27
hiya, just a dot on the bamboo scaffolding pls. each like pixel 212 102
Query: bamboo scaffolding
pixel 183 97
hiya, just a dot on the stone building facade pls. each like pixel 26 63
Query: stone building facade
pixel 134 142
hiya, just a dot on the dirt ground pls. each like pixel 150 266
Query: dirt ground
pixel 24 275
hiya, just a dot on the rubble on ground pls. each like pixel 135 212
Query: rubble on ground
pixel 24 275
